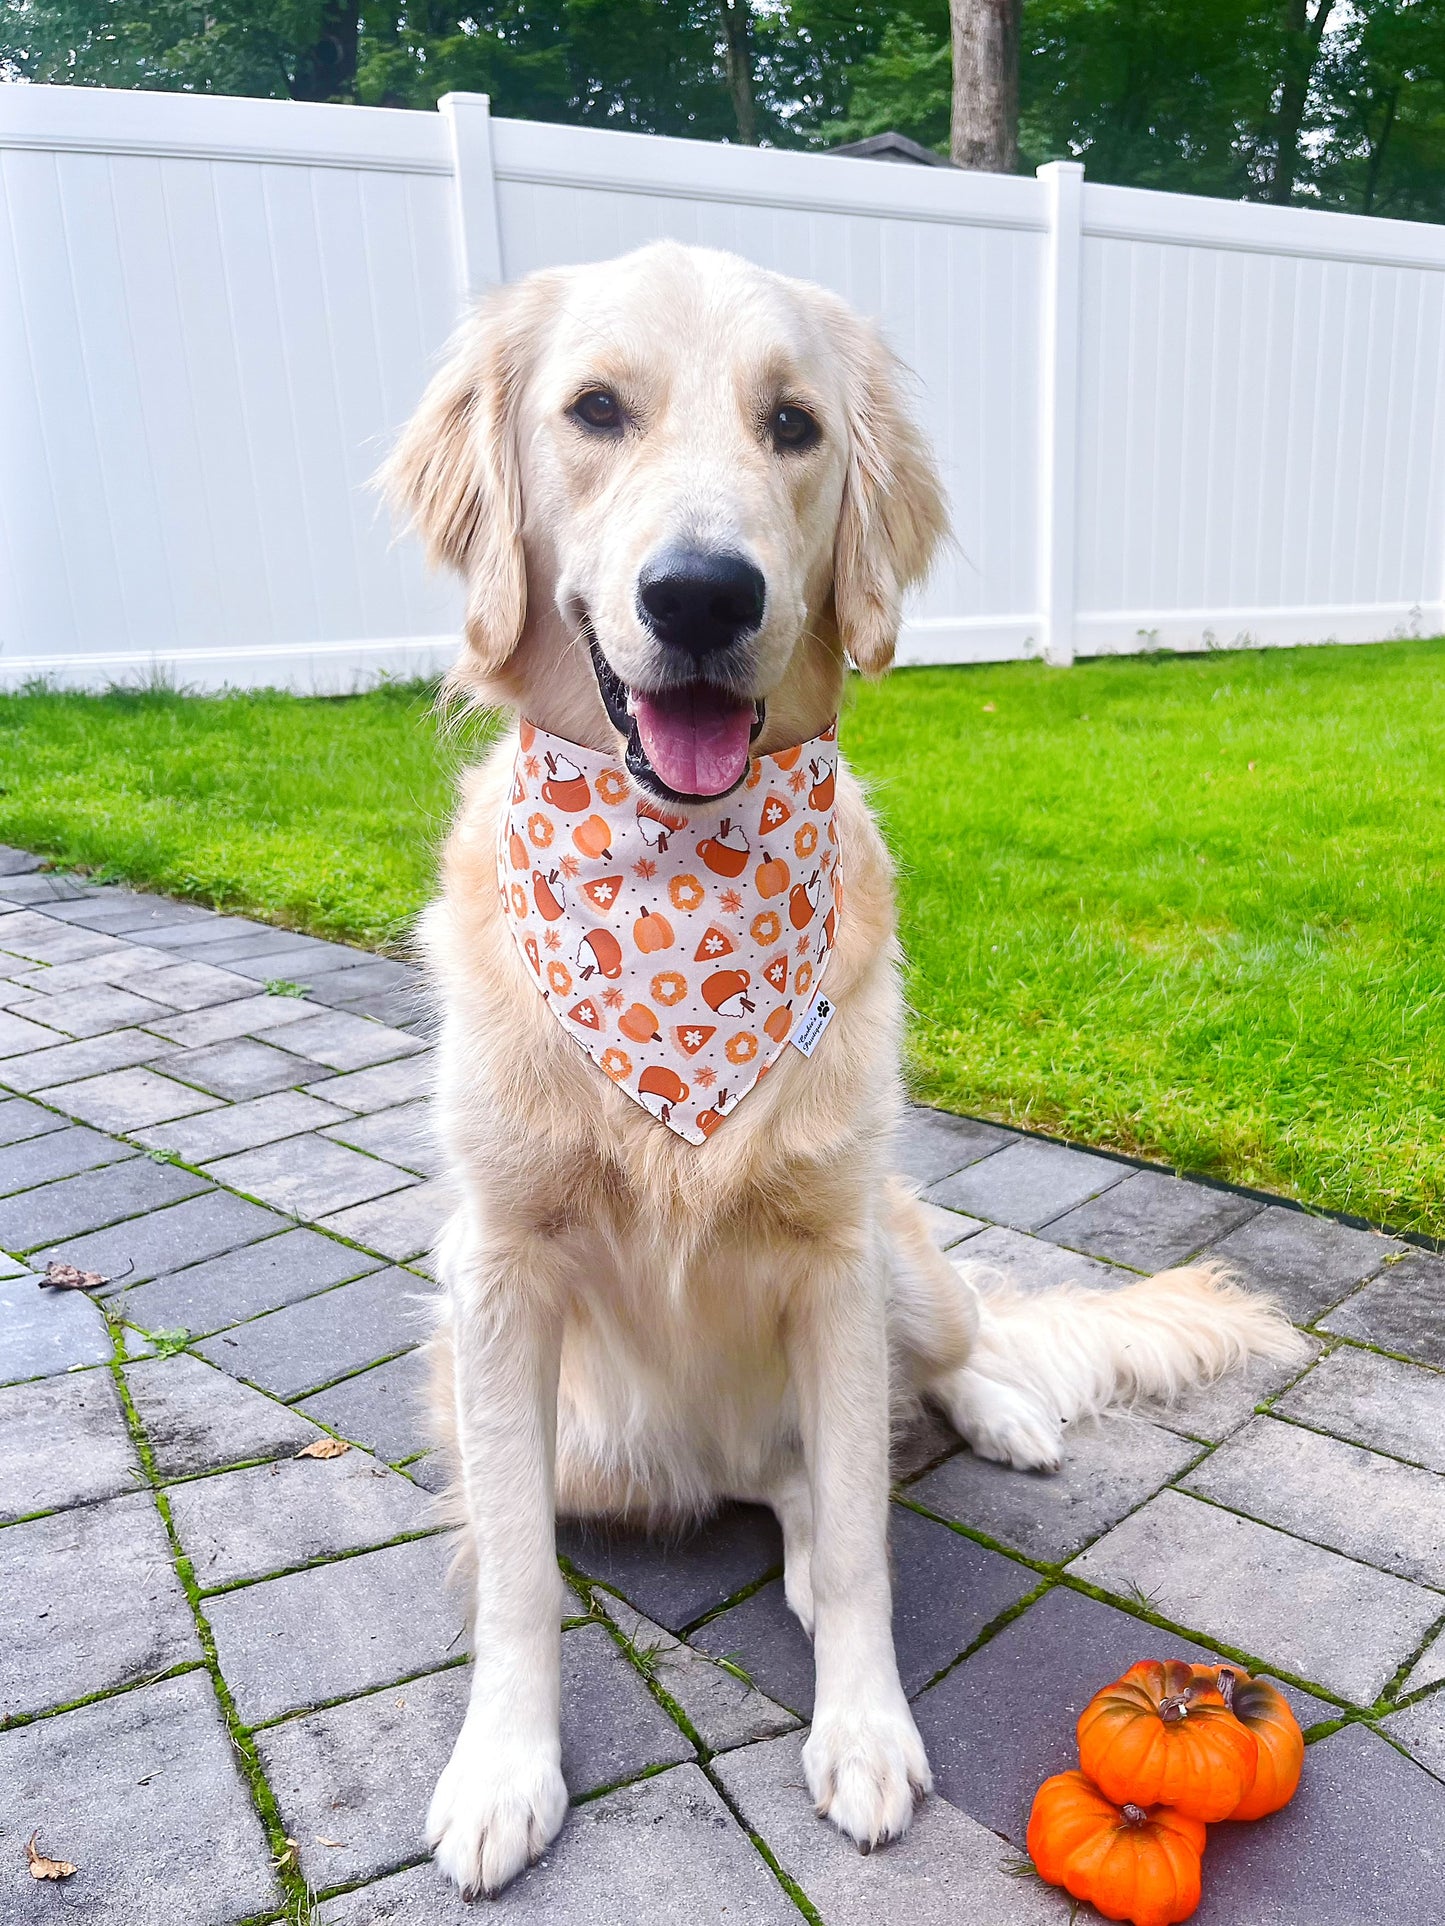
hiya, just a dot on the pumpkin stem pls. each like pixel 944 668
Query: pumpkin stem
pixel 1134 1815
pixel 1172 1709
pixel 1227 1682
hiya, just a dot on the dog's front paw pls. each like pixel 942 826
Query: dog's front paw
pixel 1004 1423
pixel 867 1771
pixel 496 1808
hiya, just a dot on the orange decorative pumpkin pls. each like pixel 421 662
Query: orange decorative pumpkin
pixel 593 837
pixel 639 1023
pixel 1158 1737
pixel 1266 1713
pixel 652 932
pixel 1130 1863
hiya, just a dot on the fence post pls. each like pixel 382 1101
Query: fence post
pixel 1059 407
pixel 474 192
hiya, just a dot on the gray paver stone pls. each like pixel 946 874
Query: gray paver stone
pixel 240 1126
pixel 184 1233
pixel 382 1409
pixel 345 1042
pixel 364 1771
pixel 142 1794
pixel 124 1100
pixel 197 1419
pixel 85 1013
pixel 1003 1721
pixel 930 1145
pixel 19 1034
pixel 1355 1501
pixel 1111 1464
pixel 1374 1401
pixel 947 1870
pixel 946 1589
pixel 89 1600
pixel 44 1331
pixel 1359 1845
pixel 204 933
pixel 21 1121
pixel 654 1854
pixel 404 1136
pixel 1420 1728
pixel 385 1085
pixel 764 1640
pixel 1214 1410
pixel 63 1442
pixel 310 1343
pixel 1429 1668
pixel 194 986
pixel 948 1227
pixel 74 1206
pixel 42 1070
pixel 1027 1184
pixel 1403 1309
pixel 1152 1221
pixel 59 1153
pixel 273 1517
pixel 246 1017
pixel 1307 1263
pixel 309 1176
pixel 675 1579
pixel 240 1284
pixel 337 1630
pixel 404 1225
pixel 722 1709
pixel 1308 1611
pixel 241 1067
pixel 1009 1258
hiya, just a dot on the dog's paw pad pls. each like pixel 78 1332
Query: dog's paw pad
pixel 867 1772
pixel 494 1812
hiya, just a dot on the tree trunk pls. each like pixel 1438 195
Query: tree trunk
pixel 326 70
pixel 1377 153
pixel 986 84
pixel 1301 53
pixel 737 21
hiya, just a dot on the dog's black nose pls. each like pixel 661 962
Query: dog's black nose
pixel 700 599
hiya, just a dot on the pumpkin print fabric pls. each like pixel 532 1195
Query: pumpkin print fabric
pixel 679 951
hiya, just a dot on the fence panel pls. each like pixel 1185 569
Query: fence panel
pixel 1161 420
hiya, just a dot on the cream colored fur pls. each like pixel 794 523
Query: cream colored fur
pixel 635 1326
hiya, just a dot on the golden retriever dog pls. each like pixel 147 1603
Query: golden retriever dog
pixel 636 1325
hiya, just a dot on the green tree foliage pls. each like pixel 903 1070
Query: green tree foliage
pixel 1338 103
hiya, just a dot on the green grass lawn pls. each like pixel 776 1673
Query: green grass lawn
pixel 1186 907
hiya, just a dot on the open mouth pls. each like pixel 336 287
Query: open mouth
pixel 685 744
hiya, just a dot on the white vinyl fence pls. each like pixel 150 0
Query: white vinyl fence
pixel 1163 421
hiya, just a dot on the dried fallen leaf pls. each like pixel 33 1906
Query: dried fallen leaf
pixel 65 1277
pixel 330 1842
pixel 43 1868
pixel 324 1448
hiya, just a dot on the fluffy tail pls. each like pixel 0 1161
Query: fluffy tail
pixel 1040 1360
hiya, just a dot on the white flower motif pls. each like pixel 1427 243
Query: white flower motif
pixel 713 945
pixel 692 1038
pixel 603 892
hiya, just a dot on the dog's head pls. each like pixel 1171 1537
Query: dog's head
pixel 678 488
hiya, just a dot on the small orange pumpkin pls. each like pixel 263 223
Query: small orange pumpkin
pixel 1130 1863
pixel 1158 1737
pixel 1266 1713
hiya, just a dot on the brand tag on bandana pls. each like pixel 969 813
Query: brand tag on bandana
pixel 681 952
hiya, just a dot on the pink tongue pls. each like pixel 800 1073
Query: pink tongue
pixel 696 739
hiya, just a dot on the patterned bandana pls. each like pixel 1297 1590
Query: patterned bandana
pixel 680 952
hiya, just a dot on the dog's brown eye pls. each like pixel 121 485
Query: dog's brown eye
pixel 793 427
pixel 598 409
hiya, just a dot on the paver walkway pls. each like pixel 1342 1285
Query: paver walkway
pixel 229 1673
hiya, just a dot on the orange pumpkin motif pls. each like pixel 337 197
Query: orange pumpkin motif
pixel 1266 1713
pixel 593 838
pixel 639 1023
pixel 517 852
pixel 652 932
pixel 1157 1737
pixel 773 876
pixel 779 1023
pixel 1130 1862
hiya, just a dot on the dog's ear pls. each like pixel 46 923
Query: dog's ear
pixel 893 515
pixel 455 476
